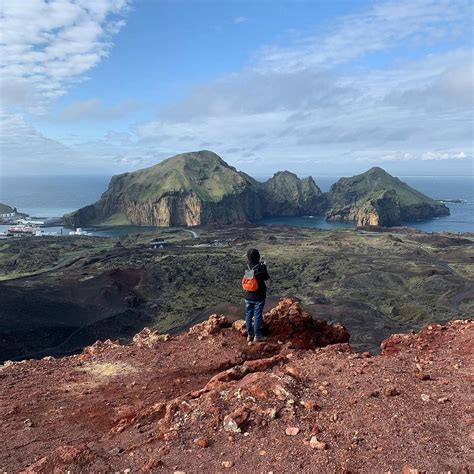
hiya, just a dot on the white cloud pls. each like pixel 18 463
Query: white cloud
pixel 240 19
pixel 297 107
pixel 301 120
pixel 396 156
pixel 29 151
pixel 384 27
pixel 47 45
pixel 92 109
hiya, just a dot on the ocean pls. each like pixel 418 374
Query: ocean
pixel 54 196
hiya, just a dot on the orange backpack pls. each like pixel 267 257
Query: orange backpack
pixel 249 282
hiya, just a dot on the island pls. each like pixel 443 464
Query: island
pixel 199 188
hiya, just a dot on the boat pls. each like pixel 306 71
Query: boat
pixel 21 229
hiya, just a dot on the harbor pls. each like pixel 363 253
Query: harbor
pixel 19 224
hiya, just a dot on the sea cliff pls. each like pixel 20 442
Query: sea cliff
pixel 199 188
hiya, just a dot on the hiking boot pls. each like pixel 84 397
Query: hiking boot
pixel 249 338
pixel 260 339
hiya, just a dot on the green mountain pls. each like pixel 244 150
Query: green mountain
pixel 192 189
pixel 377 198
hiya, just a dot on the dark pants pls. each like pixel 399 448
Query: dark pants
pixel 253 317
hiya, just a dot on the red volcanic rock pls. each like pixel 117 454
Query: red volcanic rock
pixel 202 442
pixel 213 325
pixel 292 431
pixel 99 347
pixel 149 338
pixel 61 459
pixel 239 326
pixel 235 421
pixel 401 342
pixel 288 322
pixel 194 403
pixel 391 391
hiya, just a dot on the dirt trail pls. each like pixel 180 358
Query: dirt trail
pixel 466 293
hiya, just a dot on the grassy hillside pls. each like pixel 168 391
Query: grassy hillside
pixel 377 179
pixel 203 172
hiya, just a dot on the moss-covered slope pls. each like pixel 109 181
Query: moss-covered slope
pixel 377 198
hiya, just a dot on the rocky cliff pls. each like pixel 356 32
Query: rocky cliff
pixel 286 195
pixel 380 208
pixel 304 401
pixel 377 198
pixel 197 188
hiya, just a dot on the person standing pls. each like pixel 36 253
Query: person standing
pixel 255 293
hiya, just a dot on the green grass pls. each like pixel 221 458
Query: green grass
pixel 202 172
pixel 376 179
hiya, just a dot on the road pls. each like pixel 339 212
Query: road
pixel 195 234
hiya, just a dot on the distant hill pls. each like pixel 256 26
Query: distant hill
pixel 201 188
pixel 377 198
pixel 5 209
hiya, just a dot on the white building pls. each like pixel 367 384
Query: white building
pixel 79 231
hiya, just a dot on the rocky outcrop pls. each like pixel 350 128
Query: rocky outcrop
pixel 376 198
pixel 289 322
pixel 286 195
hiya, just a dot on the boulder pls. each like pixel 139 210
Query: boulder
pixel 213 325
pixel 149 338
pixel 289 322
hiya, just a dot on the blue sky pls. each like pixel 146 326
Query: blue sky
pixel 316 87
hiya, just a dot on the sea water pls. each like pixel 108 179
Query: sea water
pixel 54 196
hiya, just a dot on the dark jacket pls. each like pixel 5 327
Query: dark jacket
pixel 261 274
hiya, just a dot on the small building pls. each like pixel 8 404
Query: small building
pixel 80 231
pixel 159 244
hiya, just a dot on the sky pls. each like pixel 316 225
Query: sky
pixel 320 87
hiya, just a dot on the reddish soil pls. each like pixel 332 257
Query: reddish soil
pixel 206 401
